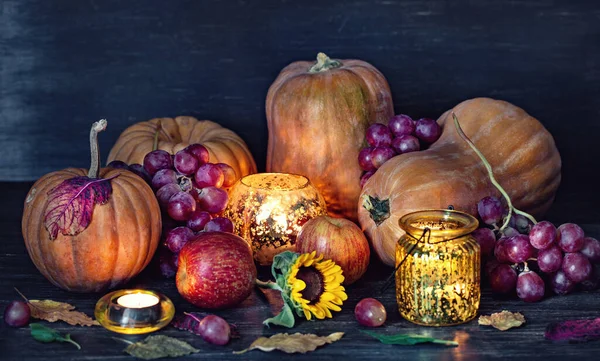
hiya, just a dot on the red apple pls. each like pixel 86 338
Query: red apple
pixel 337 239
pixel 216 270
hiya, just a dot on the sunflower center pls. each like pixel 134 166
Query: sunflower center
pixel 314 283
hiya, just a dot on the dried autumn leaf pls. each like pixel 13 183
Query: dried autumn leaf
pixel 158 346
pixel 53 311
pixel 71 204
pixel 295 343
pixel 502 320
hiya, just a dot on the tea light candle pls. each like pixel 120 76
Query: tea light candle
pixel 134 311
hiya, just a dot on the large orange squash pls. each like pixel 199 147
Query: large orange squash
pixel 520 150
pixel 119 241
pixel 317 114
pixel 172 135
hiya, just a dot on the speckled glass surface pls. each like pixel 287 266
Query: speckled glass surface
pixel 438 284
pixel 269 209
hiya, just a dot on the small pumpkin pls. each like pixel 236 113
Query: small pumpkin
pixel 88 231
pixel 520 150
pixel 172 135
pixel 317 115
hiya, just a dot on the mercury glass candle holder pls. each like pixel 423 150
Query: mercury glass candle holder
pixel 438 268
pixel 269 209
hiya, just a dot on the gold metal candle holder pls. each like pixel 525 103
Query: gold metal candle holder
pixel 269 209
pixel 438 263
pixel 134 311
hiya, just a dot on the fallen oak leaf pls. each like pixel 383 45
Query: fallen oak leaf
pixel 502 320
pixel 53 311
pixel 158 346
pixel 295 343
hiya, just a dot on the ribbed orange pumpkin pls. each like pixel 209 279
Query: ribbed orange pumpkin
pixel 317 115
pixel 520 150
pixel 224 146
pixel 117 244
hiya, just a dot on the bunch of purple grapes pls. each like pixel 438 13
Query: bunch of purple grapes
pixel 401 135
pixel 190 193
pixel 526 257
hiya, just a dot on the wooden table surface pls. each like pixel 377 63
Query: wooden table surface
pixel 476 342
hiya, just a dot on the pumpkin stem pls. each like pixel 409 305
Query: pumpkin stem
pixel 97 127
pixel 379 210
pixel 488 167
pixel 155 143
pixel 324 63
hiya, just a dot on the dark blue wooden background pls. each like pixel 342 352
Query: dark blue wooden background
pixel 65 64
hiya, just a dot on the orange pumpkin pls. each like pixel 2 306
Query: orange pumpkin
pixel 172 135
pixel 317 115
pixel 520 150
pixel 116 245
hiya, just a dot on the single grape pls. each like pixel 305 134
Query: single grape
pixel 490 210
pixel 219 224
pixel 200 152
pixel 213 199
pixel 486 239
pixel 228 173
pixel 198 220
pixel 185 162
pixel 380 155
pixel 549 260
pixel 500 250
pixel 365 177
pixel 503 278
pixel 510 232
pixel 213 329
pixel 520 223
pixel 209 175
pixel 490 265
pixel 157 160
pixel 406 144
pixel 166 192
pixel 542 235
pixel 365 160
pixel 379 135
pixel 518 249
pixel 177 238
pixel 181 205
pixel 118 164
pixel 576 266
pixel 592 282
pixel 141 172
pixel 591 249
pixel 561 284
pixel 428 130
pixel 17 314
pixel 401 125
pixel 164 177
pixel 167 264
pixel 530 286
pixel 570 237
pixel 370 312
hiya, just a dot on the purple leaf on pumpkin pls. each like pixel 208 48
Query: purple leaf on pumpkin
pixel 574 330
pixel 190 321
pixel 71 204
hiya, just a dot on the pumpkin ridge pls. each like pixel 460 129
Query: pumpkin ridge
pixel 135 269
pixel 147 252
pixel 38 241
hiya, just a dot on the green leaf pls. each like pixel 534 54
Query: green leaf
pixel 157 346
pixel 284 318
pixel 282 263
pixel 45 334
pixel 407 339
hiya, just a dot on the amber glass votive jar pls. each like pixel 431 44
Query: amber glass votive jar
pixel 438 263
pixel 269 209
